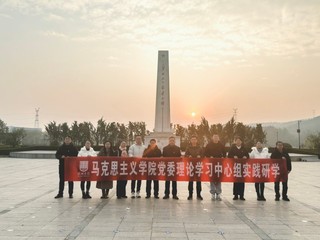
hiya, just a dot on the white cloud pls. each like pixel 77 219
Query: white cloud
pixel 55 34
pixel 205 29
pixel 3 15
pixel 54 17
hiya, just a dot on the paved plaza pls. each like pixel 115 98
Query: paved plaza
pixel 28 209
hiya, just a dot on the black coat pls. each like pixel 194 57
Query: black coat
pixel 149 152
pixel 171 151
pixel 66 150
pixel 279 155
pixel 194 151
pixel 103 152
pixel 240 153
pixel 215 150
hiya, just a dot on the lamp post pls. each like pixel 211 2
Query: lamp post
pixel 298 131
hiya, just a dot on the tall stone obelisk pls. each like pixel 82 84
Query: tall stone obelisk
pixel 162 127
pixel 162 121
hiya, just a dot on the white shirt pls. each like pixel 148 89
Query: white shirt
pixel 136 150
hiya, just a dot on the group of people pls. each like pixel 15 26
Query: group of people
pixel 214 149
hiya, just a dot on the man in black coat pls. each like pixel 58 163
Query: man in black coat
pixel 151 152
pixel 171 150
pixel 238 151
pixel 280 153
pixel 215 149
pixel 194 151
pixel 67 149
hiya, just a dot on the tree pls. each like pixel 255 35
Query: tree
pixel 123 133
pixel 3 132
pixel 203 130
pixel 54 133
pixel 228 131
pixel 182 133
pixel 15 137
pixel 131 132
pixel 65 131
pixel 240 130
pixel 75 133
pixel 136 128
pixel 313 141
pixel 100 131
pixel 259 134
pixel 191 130
pixel 112 133
pixel 86 131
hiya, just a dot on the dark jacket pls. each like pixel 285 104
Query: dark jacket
pixel 118 152
pixel 279 155
pixel 240 153
pixel 171 151
pixel 194 151
pixel 103 152
pixel 215 150
pixel 149 152
pixel 67 151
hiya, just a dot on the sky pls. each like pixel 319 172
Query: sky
pixel 86 59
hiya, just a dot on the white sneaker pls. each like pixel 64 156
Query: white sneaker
pixel 133 195
pixel 213 197
pixel 218 197
pixel 138 195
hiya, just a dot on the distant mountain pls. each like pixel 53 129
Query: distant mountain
pixel 287 131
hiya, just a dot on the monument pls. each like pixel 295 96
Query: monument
pixel 162 127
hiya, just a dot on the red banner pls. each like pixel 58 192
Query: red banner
pixel 175 169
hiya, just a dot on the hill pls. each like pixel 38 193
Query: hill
pixel 287 131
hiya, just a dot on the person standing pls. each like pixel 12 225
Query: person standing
pixel 122 184
pixel 136 150
pixel 67 149
pixel 280 153
pixel 86 151
pixel 194 151
pixel 215 149
pixel 171 150
pixel 238 151
pixel 151 152
pixel 105 186
pixel 259 152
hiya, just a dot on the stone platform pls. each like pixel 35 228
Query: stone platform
pixel 34 154
pixel 28 209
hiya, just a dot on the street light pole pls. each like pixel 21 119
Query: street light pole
pixel 298 131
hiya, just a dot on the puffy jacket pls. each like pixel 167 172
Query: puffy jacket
pixel 85 153
pixel 256 154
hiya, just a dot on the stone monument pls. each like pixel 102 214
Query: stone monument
pixel 162 127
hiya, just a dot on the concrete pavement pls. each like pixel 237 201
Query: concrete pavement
pixel 28 209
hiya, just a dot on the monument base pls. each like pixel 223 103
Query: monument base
pixel 162 139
